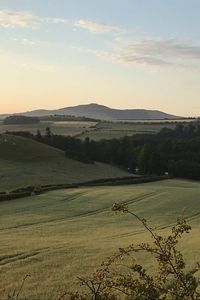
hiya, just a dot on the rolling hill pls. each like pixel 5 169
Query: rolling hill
pixel 26 162
pixel 97 111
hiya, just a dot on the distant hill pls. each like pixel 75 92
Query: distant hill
pixel 26 162
pixel 97 111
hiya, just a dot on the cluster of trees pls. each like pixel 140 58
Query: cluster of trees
pixel 59 118
pixel 18 119
pixel 174 151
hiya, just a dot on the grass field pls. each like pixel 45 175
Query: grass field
pixel 61 234
pixel 70 128
pixel 109 130
pixel 96 131
pixel 26 162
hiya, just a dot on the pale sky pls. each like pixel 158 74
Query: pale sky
pixel 119 53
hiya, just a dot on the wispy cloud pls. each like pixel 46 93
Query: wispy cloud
pixel 152 52
pixel 159 52
pixel 23 19
pixel 95 27
pixel 171 48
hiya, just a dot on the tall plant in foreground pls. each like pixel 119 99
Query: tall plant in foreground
pixel 115 279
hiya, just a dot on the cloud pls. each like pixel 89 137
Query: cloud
pixel 159 52
pixel 126 59
pixel 153 53
pixel 22 19
pixel 160 47
pixel 95 27
pixel 140 60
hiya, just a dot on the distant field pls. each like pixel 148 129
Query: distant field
pixel 71 128
pixel 94 130
pixel 58 235
pixel 26 162
pixel 108 130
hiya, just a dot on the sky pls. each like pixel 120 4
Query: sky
pixel 119 53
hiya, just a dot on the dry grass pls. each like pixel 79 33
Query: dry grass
pixel 56 236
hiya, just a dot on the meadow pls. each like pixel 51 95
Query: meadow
pixel 60 235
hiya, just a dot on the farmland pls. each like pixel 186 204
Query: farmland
pixel 61 234
pixel 71 128
pixel 108 130
pixel 93 130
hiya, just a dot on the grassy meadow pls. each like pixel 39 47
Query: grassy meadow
pixel 59 235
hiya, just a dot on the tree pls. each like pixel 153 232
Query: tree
pixel 48 132
pixel 38 135
pixel 144 157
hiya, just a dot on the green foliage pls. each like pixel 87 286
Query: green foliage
pixel 133 281
pixel 185 169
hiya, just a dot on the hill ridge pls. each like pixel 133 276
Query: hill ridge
pixel 97 111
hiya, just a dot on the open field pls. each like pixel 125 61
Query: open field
pixel 26 162
pixel 94 130
pixel 71 128
pixel 61 234
pixel 108 130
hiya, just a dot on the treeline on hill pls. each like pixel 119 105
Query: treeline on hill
pixel 61 118
pixel 18 119
pixel 176 151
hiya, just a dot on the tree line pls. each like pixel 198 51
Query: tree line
pixel 19 119
pixel 174 151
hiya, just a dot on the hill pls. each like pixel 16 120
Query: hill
pixel 26 162
pixel 97 111
pixel 60 235
pixel 103 112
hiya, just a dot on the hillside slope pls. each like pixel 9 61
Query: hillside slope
pixel 27 162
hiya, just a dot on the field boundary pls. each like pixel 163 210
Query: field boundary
pixel 37 190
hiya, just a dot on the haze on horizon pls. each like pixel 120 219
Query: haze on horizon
pixel 118 53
